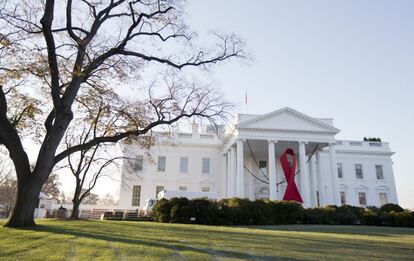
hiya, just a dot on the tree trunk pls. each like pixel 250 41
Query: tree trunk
pixel 76 199
pixel 26 200
pixel 75 209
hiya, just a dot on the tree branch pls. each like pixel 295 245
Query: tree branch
pixel 46 22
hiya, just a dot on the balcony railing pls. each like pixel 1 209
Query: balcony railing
pixel 207 136
pixel 362 144
pixel 185 135
pixel 375 144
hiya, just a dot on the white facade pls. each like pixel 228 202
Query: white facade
pixel 246 164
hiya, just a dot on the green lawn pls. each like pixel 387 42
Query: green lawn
pixel 108 240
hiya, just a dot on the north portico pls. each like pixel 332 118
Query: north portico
pixel 263 138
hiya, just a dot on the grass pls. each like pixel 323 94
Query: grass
pixel 109 240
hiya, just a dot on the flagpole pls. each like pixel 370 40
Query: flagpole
pixel 245 101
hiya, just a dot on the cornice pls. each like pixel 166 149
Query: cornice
pixel 290 110
pixel 285 130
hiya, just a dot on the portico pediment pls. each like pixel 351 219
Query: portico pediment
pixel 286 119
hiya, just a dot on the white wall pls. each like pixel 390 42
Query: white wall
pixel 171 179
pixel 369 184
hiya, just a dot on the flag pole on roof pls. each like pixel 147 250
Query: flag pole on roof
pixel 245 101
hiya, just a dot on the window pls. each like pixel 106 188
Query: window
pixel 161 163
pixel 182 188
pixel 340 173
pixel 362 199
pixel 158 189
pixel 206 166
pixel 343 198
pixel 136 195
pixel 138 163
pixel 184 165
pixel 263 166
pixel 358 171
pixel 205 189
pixel 379 172
pixel 383 198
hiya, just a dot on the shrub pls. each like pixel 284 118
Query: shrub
pixel 180 210
pixel 237 211
pixel 395 219
pixel 370 218
pixel 286 212
pixel 349 215
pixel 390 207
pixel 204 211
pixel 227 214
pixel 241 208
pixel 325 215
pixel 161 211
pixel 260 213
pixel 402 219
pixel 313 216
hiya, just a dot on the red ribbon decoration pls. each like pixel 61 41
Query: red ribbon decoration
pixel 292 192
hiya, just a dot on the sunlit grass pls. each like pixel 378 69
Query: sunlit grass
pixel 111 240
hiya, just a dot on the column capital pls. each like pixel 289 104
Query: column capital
pixel 241 139
pixel 303 142
pixel 272 141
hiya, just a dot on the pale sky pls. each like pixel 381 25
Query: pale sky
pixel 348 60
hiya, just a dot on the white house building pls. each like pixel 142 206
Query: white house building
pixel 246 163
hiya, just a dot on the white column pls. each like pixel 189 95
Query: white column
pixel 240 169
pixel 251 167
pixel 229 177
pixel 312 182
pixel 304 176
pixel 233 172
pixel 224 176
pixel 321 183
pixel 336 198
pixel 272 170
pixel 280 175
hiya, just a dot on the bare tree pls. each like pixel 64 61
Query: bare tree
pixel 87 166
pixel 7 185
pixel 61 51
pixel 108 200
pixel 5 170
pixel 8 189
pixel 52 186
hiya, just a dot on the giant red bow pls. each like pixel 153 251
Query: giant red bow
pixel 292 192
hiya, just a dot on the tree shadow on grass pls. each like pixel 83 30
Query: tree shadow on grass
pixel 340 229
pixel 189 230
pixel 161 243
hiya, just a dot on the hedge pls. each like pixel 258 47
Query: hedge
pixel 237 211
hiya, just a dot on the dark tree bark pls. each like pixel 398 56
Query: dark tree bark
pixel 26 200
pixel 76 201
